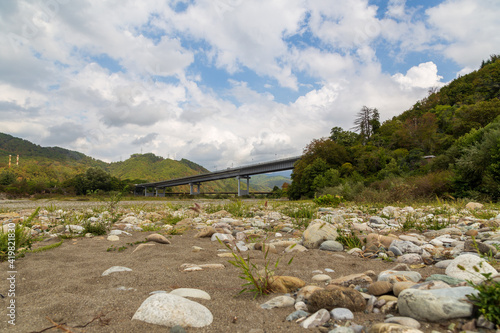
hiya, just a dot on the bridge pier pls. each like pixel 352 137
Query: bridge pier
pixel 192 190
pixel 240 190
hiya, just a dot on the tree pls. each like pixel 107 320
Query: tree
pixel 342 137
pixel 366 123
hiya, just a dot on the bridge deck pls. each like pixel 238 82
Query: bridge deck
pixel 243 171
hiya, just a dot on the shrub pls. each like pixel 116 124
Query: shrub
pixel 328 200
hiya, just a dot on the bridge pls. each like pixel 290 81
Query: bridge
pixel 243 172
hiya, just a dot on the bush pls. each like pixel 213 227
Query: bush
pixel 328 200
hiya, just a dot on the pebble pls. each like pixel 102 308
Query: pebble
pixel 296 315
pixel 405 321
pixel 321 278
pixel 317 319
pixel 113 238
pixel 278 302
pixel 331 245
pixel 116 269
pixel 341 314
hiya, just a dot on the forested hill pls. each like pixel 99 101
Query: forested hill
pixel 447 144
pixel 55 169
pixel 10 145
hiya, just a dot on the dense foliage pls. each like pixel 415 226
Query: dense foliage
pixel 447 144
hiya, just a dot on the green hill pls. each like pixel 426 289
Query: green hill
pixel 447 144
pixel 45 168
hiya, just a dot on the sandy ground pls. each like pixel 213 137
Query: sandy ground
pixel 65 285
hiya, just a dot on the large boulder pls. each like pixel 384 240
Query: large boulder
pixel 436 304
pixel 473 268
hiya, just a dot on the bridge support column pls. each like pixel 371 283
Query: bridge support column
pixel 241 191
pixel 192 190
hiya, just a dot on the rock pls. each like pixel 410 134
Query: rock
pixel 317 232
pixel 380 288
pixel 222 237
pixel 387 298
pixel 405 321
pixel 406 246
pixel 343 329
pixel 113 238
pixel 306 292
pixel 392 328
pixel 157 238
pixel 436 305
pixel 389 306
pixel 341 314
pixel 321 278
pixel 190 292
pixel 331 245
pixel 170 310
pixel 296 315
pixel 119 233
pixel 398 287
pixel 142 246
pixel 361 280
pixel 317 319
pixel 410 259
pixel 429 285
pixel 468 262
pixel 445 278
pixel 479 247
pixel 278 302
pixel 400 276
pixel 379 240
pixel 116 269
pixel 285 284
pixel 474 206
pixel 177 329
pixel 299 305
pixel 336 297
pixel 443 264
pixel 205 232
pixel 295 248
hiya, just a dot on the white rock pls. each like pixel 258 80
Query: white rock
pixel 191 292
pixel 113 238
pixel 115 269
pixel 221 237
pixel 170 310
pixel 278 302
pixel 321 278
pixel 316 319
pixel 468 262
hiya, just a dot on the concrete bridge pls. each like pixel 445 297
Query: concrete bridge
pixel 243 172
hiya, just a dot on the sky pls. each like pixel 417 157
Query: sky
pixel 225 82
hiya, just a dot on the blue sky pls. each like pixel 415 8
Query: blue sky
pixel 224 82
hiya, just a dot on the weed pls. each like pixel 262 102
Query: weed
pixel 51 208
pixel 483 214
pixel 410 222
pixel 11 241
pixel 46 247
pixel 114 248
pixel 302 213
pixel 149 227
pixel 349 239
pixel 486 300
pixel 237 209
pixel 258 281
pixel 172 220
pixel 97 228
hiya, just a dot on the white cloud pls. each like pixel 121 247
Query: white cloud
pixel 55 87
pixel 468 28
pixel 422 76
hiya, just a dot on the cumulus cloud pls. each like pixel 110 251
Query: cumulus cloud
pixel 422 76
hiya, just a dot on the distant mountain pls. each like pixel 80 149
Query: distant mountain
pixel 269 181
pixel 55 164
